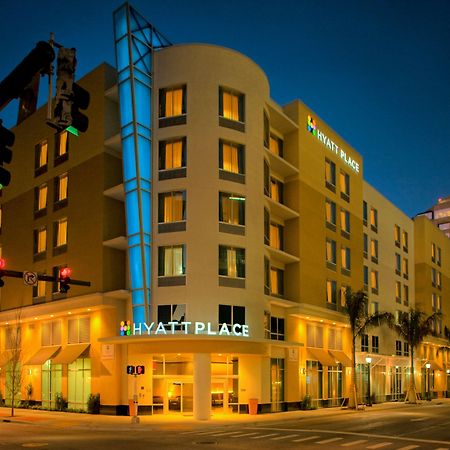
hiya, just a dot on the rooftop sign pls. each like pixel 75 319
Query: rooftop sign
pixel 312 128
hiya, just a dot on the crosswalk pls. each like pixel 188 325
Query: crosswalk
pixel 321 440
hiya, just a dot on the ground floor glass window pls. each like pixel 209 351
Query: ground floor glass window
pixel 79 383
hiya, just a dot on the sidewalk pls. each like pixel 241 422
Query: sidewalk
pixel 78 420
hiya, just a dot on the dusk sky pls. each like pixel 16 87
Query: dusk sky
pixel 377 71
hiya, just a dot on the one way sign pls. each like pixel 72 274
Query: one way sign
pixel 30 278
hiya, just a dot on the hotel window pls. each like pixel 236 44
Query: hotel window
pixel 172 101
pixel 375 344
pixel 374 250
pixel 334 339
pixel 343 296
pixel 231 262
pixel 40 199
pixel 436 302
pixel 345 259
pixel 276 190
pixel 266 130
pixel 374 307
pixel 276 328
pixel 231 315
pixel 79 331
pixel 398 348
pixel 405 241
pixel 172 313
pixel 172 207
pixel 61 190
pixel 171 261
pixel 40 240
pixel 266 324
pixel 39 290
pixel 398 291
pixel 231 208
pixel 330 253
pixel 405 268
pixel 60 233
pixel 40 158
pixel 266 276
pixel 397 234
pixel 276 236
pixel 61 147
pixel 331 292
pixel 330 175
pixel 231 157
pixel 364 342
pixel 344 181
pixel 366 277
pixel 438 279
pixel 172 154
pixel 330 214
pixel 345 223
pixel 433 277
pixel 405 349
pixel 398 264
pixel 314 336
pixel 438 258
pixel 266 227
pixel 51 333
pixel 405 295
pixel 374 281
pixel 365 213
pixel 266 179
pixel 373 219
pixel 276 145
pixel 366 245
pixel 231 105
pixel 276 282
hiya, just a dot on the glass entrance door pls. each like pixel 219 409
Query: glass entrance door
pixel 180 396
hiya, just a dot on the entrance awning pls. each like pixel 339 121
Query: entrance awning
pixel 42 355
pixel 70 353
pixel 321 355
pixel 341 357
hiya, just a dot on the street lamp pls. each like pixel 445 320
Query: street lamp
pixel 368 361
pixel 428 393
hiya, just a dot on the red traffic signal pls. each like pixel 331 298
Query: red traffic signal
pixel 140 370
pixel 64 279
pixel 65 272
pixel 2 266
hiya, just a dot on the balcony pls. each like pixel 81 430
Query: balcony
pixel 281 211
pixel 281 255
pixel 280 166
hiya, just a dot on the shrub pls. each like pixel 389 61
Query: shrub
pixel 93 404
pixel 60 402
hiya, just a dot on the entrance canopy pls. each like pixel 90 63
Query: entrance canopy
pixel 42 355
pixel 70 353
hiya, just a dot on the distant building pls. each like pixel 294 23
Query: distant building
pixel 440 215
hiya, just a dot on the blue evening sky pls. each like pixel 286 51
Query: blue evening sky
pixel 377 71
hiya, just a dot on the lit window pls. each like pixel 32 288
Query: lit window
pixel 405 241
pixel 40 240
pixel 374 281
pixel 397 233
pixel 398 264
pixel 61 144
pixel 374 219
pixel 39 291
pixel 276 145
pixel 231 105
pixel 433 252
pixel 61 232
pixel 276 190
pixel 438 258
pixel 343 295
pixel 231 157
pixel 172 102
pixel 172 313
pixel 231 262
pixel 398 291
pixel 172 207
pixel 276 236
pixel 330 174
pixel 41 156
pixel 276 281
pixel 171 261
pixel 331 292
pixel 344 181
pixel 331 251
pixel 330 212
pixel 374 250
pixel 231 208
pixel 405 268
pixel 61 187
pixel 41 197
pixel 172 154
pixel 374 307
pixel 345 258
pixel 345 221
pixel 231 315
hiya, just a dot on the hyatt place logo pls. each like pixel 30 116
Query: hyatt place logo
pixel 311 125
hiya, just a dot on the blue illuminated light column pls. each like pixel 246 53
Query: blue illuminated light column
pixel 135 40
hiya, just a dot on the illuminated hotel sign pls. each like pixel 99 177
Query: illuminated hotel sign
pixel 312 128
pixel 127 328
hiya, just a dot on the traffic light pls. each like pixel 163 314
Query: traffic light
pixel 70 97
pixel 64 279
pixel 2 273
pixel 7 139
pixel 131 370
pixel 140 370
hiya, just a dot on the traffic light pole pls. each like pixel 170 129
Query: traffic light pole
pixel 134 417
pixel 17 274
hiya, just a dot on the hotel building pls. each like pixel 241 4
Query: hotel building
pixel 219 231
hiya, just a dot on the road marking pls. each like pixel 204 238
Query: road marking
pixel 284 437
pixel 209 432
pixel 420 419
pixel 242 435
pixel 226 433
pixel 327 441
pixel 349 444
pixel 264 435
pixel 305 439
pixel 408 447
pixel 35 444
pixel 381 444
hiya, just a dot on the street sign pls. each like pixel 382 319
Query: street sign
pixel 30 278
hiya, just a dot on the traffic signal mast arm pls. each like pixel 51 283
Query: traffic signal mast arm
pixel 17 274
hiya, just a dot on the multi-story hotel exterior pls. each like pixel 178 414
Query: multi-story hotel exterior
pixel 219 231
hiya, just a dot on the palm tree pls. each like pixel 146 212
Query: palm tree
pixel 414 326
pixel 356 304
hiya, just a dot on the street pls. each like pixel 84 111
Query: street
pixel 426 426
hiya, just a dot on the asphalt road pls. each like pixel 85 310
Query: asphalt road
pixel 408 428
